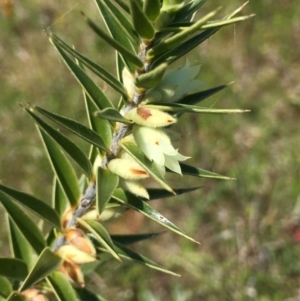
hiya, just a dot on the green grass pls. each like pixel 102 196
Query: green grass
pixel 247 250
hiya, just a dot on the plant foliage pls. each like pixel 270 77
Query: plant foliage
pixel 129 142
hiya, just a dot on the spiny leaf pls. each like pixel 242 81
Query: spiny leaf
pixel 13 268
pixel 117 22
pixel 112 115
pixel 59 200
pixel 97 69
pixel 133 238
pixel 135 152
pixel 20 246
pixel 62 169
pixel 127 54
pixel 107 182
pixel 221 23
pixel 115 29
pixel 76 128
pixel 184 48
pixel 198 172
pixel 137 204
pixel 35 205
pixel 101 235
pixel 179 37
pixel 96 94
pixel 187 11
pixel 86 295
pixel 25 224
pixel 194 98
pixel 128 254
pixel 151 9
pixel 123 5
pixel 100 126
pixel 70 147
pixel 155 194
pixel 61 287
pixel 46 263
pixel 178 107
pixel 140 21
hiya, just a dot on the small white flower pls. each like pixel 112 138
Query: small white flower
pixel 156 145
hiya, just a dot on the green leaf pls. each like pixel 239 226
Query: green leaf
pixel 198 172
pixel 35 205
pixel 97 69
pixel 155 194
pixel 179 107
pixel 221 23
pixel 137 204
pixel 46 263
pixel 133 238
pixel 100 126
pixel 184 48
pixel 61 287
pixel 62 169
pixel 135 152
pixel 128 254
pixel 5 286
pixel 125 52
pixel 151 78
pixel 86 295
pixel 13 268
pixel 76 128
pixel 100 234
pixel 187 11
pixel 25 224
pixel 112 115
pixel 96 94
pixel 20 246
pixel 195 98
pixel 59 199
pixel 152 9
pixel 178 38
pixel 140 21
pixel 117 22
pixel 116 31
pixel 107 182
pixel 124 5
pixel 70 148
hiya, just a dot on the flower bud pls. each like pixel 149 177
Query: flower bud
pixel 135 188
pixel 73 272
pixel 127 169
pixel 152 118
pixel 79 239
pixel 67 217
pixel 73 255
pixel 128 82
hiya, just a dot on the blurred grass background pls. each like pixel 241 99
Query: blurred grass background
pixel 249 229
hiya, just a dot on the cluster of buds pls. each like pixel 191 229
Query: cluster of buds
pixel 78 250
pixel 148 130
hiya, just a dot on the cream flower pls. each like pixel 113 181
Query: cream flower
pixel 156 145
